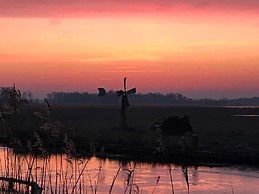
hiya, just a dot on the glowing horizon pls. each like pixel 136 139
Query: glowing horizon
pixel 197 49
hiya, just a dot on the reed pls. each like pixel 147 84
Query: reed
pixel 114 178
pixel 98 178
pixel 171 177
pixel 186 177
pixel 130 185
pixel 26 167
pixel 157 180
pixel 74 181
pixel 70 173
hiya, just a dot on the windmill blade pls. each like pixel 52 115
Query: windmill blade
pixel 125 78
pixel 120 93
pixel 102 92
pixel 132 91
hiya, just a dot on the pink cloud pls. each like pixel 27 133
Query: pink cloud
pixel 83 8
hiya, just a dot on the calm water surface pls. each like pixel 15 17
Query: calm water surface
pixel 205 180
pixel 59 172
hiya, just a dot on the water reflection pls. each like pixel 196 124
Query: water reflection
pixel 61 174
pixel 195 176
pixel 248 115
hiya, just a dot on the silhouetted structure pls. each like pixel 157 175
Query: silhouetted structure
pixel 102 92
pixel 172 126
pixel 124 102
pixel 175 126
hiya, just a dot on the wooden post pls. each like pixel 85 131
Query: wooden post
pixel 35 188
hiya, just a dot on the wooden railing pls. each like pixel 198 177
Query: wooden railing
pixel 35 189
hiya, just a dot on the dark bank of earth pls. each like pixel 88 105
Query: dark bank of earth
pixel 223 137
pixel 177 155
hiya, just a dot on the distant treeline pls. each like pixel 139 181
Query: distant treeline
pixel 111 98
pixel 149 98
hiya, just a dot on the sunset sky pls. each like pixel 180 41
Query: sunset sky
pixel 200 48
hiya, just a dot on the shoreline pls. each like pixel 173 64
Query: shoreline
pixel 177 156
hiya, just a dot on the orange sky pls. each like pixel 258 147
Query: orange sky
pixel 197 49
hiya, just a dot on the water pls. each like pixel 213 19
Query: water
pixel 251 115
pixel 202 180
pixel 92 175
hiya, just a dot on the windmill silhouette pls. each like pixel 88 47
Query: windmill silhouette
pixel 124 102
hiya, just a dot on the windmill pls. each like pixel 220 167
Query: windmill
pixel 124 101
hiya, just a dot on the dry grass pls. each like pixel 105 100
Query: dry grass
pixel 218 128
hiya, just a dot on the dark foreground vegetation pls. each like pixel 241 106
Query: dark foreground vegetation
pixel 96 129
pixel 222 134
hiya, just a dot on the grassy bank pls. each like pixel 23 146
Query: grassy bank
pixel 220 129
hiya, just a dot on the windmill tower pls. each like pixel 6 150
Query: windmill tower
pixel 124 102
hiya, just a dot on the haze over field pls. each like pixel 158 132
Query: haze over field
pixel 194 47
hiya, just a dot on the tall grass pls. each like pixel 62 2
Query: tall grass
pixel 114 178
pixel 171 177
pixel 86 179
pixel 70 172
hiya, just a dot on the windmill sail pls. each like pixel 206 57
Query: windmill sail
pixel 102 92
pixel 124 101
pixel 120 93
pixel 131 91
pixel 125 83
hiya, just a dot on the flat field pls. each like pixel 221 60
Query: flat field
pixel 220 129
